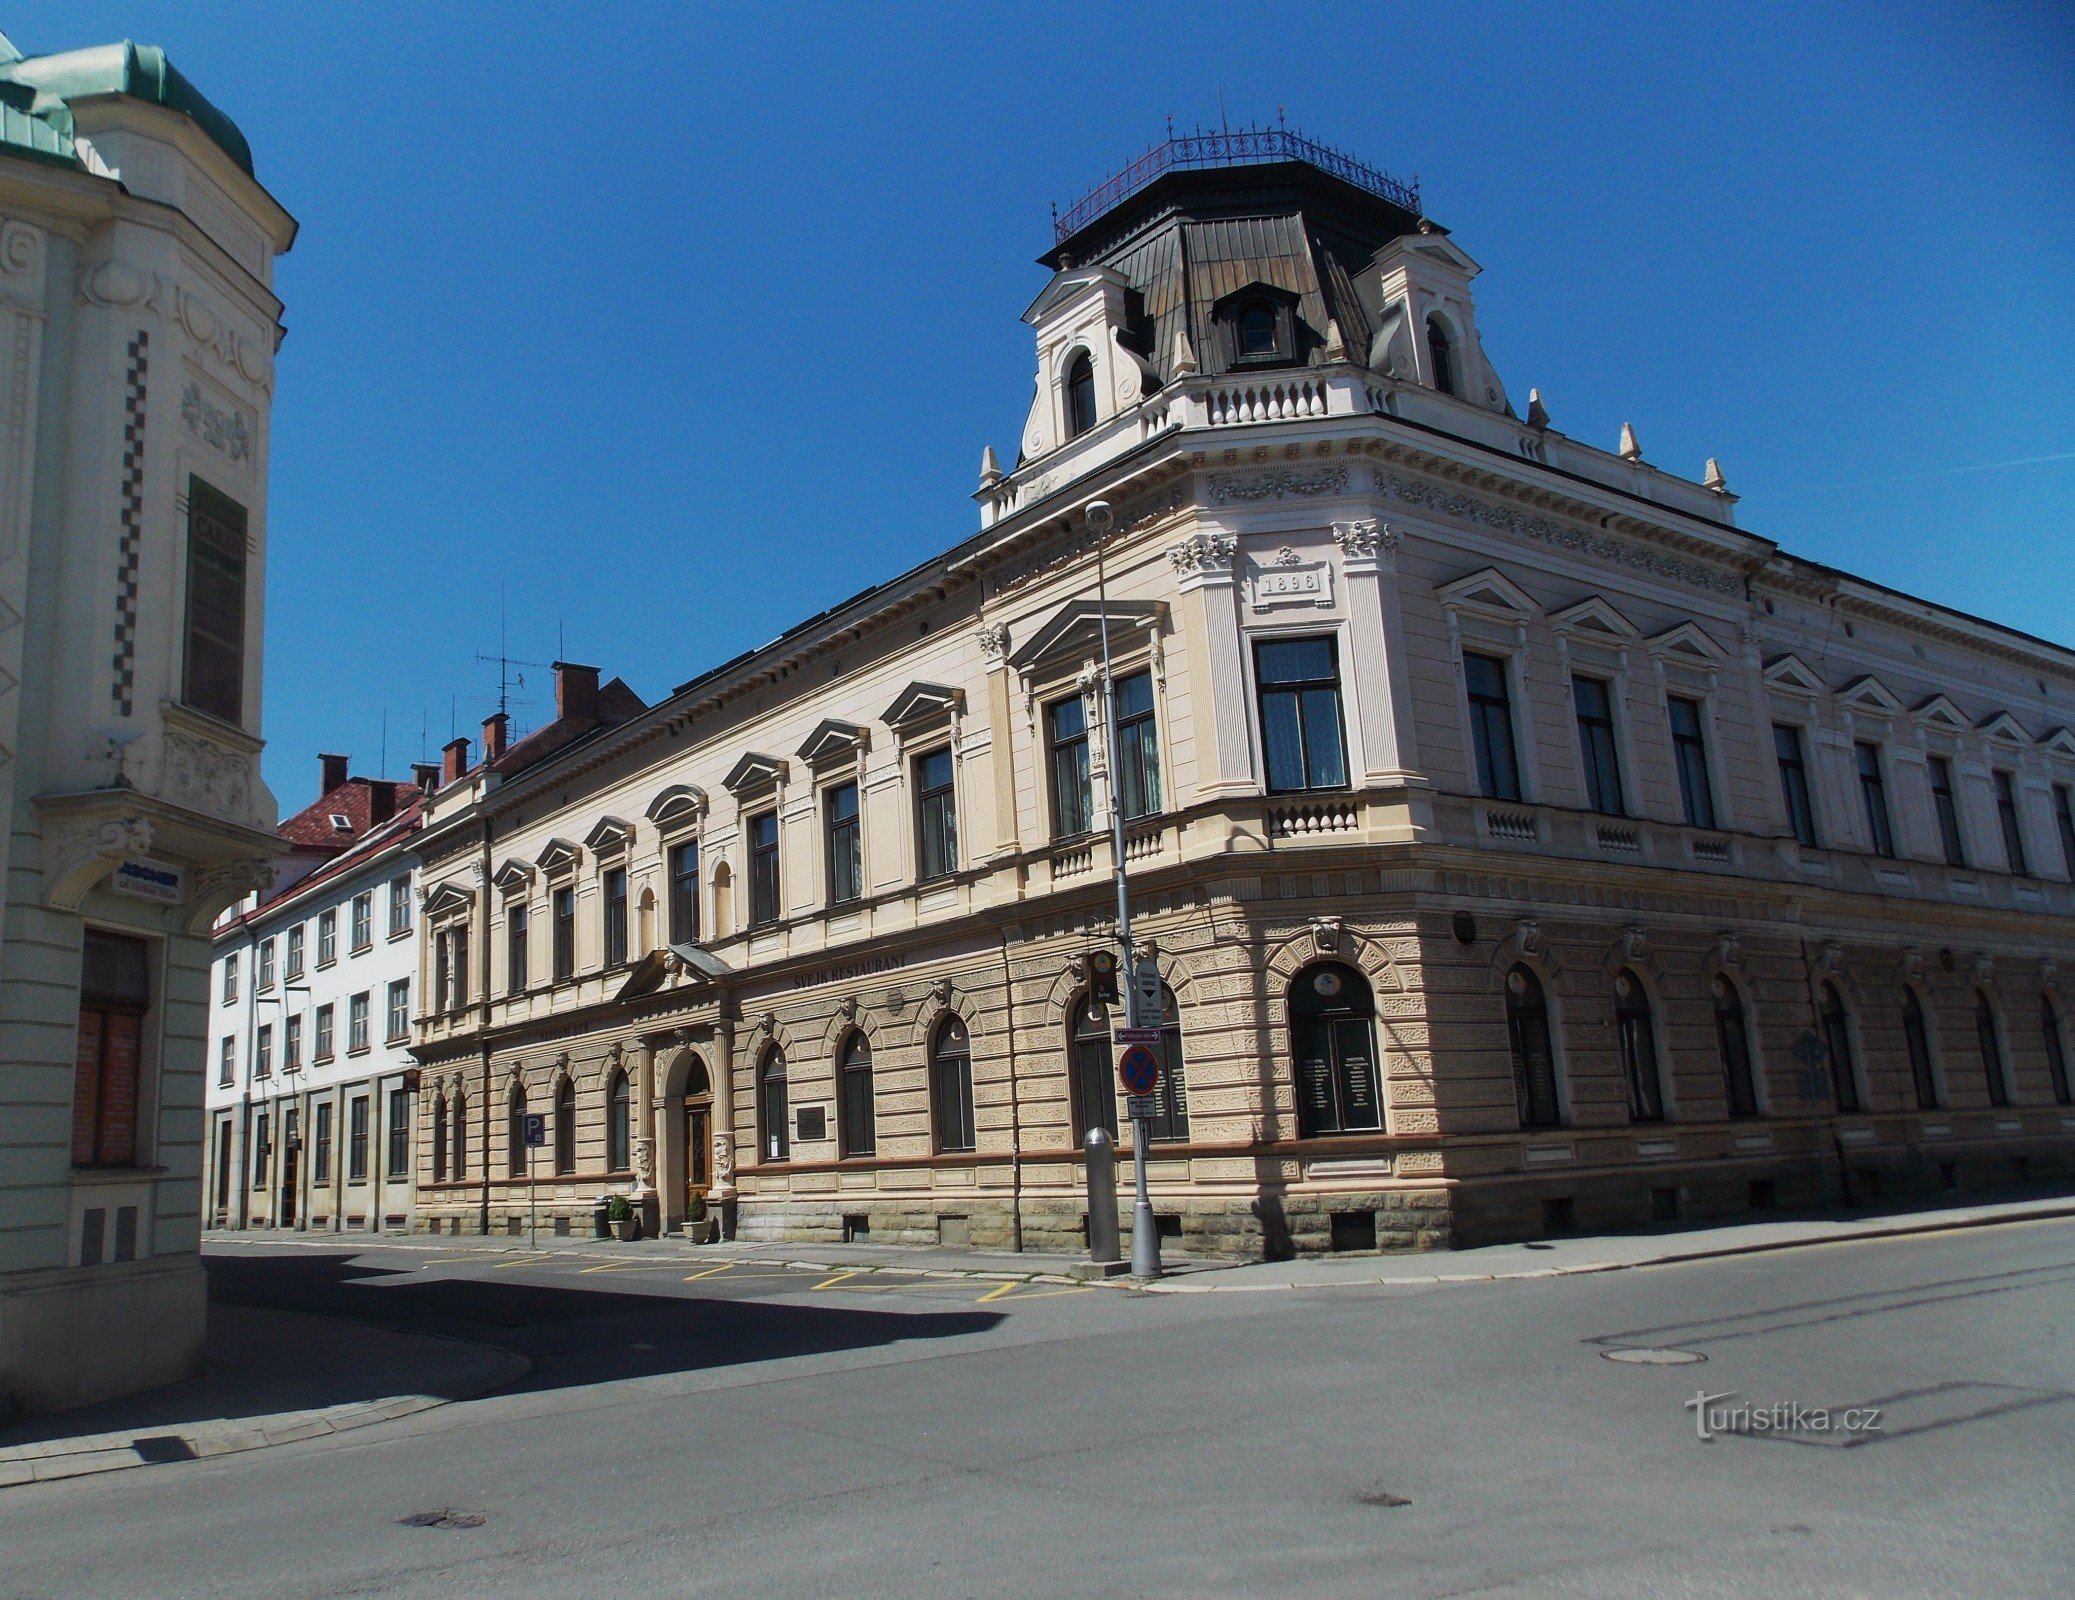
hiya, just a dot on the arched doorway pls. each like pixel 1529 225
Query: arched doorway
pixel 1333 1031
pixel 698 1136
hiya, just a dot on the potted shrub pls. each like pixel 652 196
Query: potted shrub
pixel 619 1216
pixel 697 1227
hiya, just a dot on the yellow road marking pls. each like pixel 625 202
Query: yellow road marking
pixel 830 1283
pixel 631 1266
pixel 1023 1291
pixel 710 1272
pixel 999 1292
pixel 527 1261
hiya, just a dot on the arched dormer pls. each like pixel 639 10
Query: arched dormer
pixel 1077 394
pixel 1259 327
pixel 1416 291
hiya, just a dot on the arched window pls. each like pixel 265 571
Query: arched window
pixel 1333 1032
pixel 460 1137
pixel 1534 1062
pixel 1093 1072
pixel 1638 1033
pixel 859 1137
pixel 619 1144
pixel 951 1086
pixel 565 1127
pixel 515 1134
pixel 1837 1042
pixel 439 1138
pixel 2056 1051
pixel 772 1107
pixel 1171 1099
pixel 1441 355
pixel 1256 331
pixel 1916 1035
pixel 1733 1042
pixel 1080 395
pixel 1991 1048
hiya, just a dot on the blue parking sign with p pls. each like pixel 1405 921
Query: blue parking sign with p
pixel 536 1129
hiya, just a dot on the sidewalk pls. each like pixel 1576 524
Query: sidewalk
pixel 270 1377
pixel 1555 1258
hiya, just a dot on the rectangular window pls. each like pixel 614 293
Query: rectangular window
pixel 763 869
pixel 266 965
pixel 400 1009
pixel 1946 805
pixel 1491 727
pixel 1299 685
pixel 615 917
pixel 2013 830
pixel 320 1048
pixel 114 993
pixel 1874 791
pixel 320 1152
pixel 1138 747
pixel 356 1021
pixel 684 892
pixel 262 1147
pixel 214 679
pixel 292 1045
pixel 399 906
pixel 363 919
pixel 230 974
pixel 227 1062
pixel 327 938
pixel 1073 802
pixel 846 845
pixel 936 816
pixel 516 917
pixel 1594 701
pixel 442 972
pixel 399 1133
pixel 1690 754
pixel 356 1142
pixel 295 951
pixel 565 934
pixel 1794 790
pixel 263 1051
pixel 2064 820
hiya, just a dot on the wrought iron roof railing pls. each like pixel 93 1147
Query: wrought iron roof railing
pixel 1230 147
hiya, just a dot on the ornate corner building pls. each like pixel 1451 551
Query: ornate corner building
pixel 138 327
pixel 1523 845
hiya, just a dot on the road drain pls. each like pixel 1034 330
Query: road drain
pixel 1381 1497
pixel 447 1517
pixel 1655 1358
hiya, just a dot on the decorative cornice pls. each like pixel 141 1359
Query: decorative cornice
pixel 1203 554
pixel 1226 489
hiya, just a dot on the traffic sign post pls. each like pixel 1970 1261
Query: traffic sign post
pixel 536 1135
pixel 1138 1069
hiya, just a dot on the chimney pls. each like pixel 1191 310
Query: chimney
pixel 576 691
pixel 381 802
pixel 334 772
pixel 455 762
pixel 426 775
pixel 495 729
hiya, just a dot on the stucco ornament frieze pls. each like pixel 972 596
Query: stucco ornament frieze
pixel 1253 488
pixel 115 284
pixel 1546 530
pixel 77 855
pixel 206 776
pixel 225 432
pixel 994 644
pixel 1202 554
pixel 1366 540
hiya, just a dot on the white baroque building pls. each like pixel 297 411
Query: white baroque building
pixel 312 1089
pixel 1523 844
pixel 138 328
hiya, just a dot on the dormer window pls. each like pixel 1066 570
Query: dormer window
pixel 1441 356
pixel 1257 331
pixel 1259 326
pixel 1080 395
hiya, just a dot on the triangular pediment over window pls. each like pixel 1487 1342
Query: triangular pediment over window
pixel 1940 712
pixel 1074 631
pixel 2060 742
pixel 680 803
pixel 512 877
pixel 559 855
pixel 921 704
pixel 1489 593
pixel 609 836
pixel 1868 693
pixel 2005 729
pixel 833 741
pixel 1594 616
pixel 755 771
pixel 1790 675
pixel 447 899
pixel 1688 642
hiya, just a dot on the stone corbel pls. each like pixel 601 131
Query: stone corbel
pixel 1326 934
pixel 940 991
pixel 1983 971
pixel 994 645
pixel 1831 957
pixel 1911 964
pixel 1527 935
pixel 2049 970
pixel 77 857
pixel 1728 953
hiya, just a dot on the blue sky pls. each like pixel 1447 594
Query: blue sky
pixel 674 325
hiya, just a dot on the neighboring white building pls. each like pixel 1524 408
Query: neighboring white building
pixel 311 1079
pixel 138 327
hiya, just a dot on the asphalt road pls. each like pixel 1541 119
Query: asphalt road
pixel 811 1434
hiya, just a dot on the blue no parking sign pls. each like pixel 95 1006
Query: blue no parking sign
pixel 1138 1069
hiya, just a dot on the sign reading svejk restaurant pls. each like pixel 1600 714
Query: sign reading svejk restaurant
pixel 149 880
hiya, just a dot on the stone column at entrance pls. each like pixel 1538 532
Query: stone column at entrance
pixel 645 1196
pixel 722 1193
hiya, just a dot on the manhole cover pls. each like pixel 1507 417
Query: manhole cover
pixel 1655 1358
pixel 447 1517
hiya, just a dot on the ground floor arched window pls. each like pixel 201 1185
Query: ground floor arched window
pixel 1733 1044
pixel 515 1134
pixel 1333 1035
pixel 951 1086
pixel 460 1137
pixel 1638 1033
pixel 1916 1038
pixel 1171 1097
pixel 1534 1055
pixel 1991 1048
pixel 439 1139
pixel 1091 1068
pixel 619 1125
pixel 1837 1044
pixel 860 1135
pixel 774 1110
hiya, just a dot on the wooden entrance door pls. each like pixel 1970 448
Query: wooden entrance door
pixel 698 1148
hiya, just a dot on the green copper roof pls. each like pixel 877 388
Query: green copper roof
pixel 36 94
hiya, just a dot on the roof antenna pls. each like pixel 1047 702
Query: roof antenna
pixel 382 770
pixel 1224 121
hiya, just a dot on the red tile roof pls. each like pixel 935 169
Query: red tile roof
pixel 312 827
pixel 616 704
